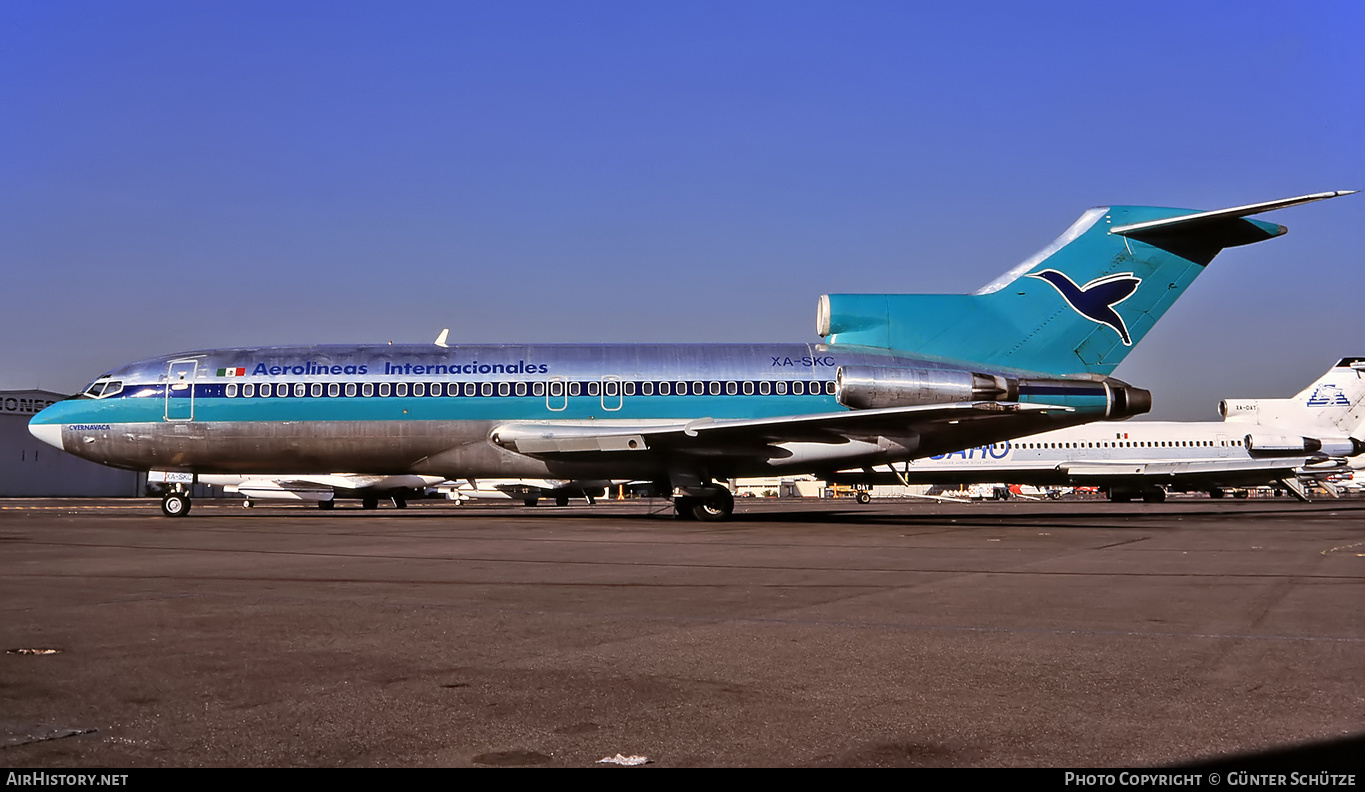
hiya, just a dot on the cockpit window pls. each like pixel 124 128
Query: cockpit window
pixel 102 389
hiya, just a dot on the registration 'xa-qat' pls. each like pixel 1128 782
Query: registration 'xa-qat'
pixel 899 376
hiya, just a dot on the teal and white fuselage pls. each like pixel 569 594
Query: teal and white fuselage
pixel 430 410
pixel 900 377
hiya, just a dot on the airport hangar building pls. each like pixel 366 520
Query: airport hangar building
pixel 30 468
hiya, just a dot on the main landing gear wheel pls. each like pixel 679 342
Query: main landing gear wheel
pixel 718 504
pixel 369 503
pixel 326 504
pixel 863 497
pixel 175 505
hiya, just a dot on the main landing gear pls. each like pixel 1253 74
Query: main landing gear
pixel 713 504
pixel 372 502
pixel 1148 494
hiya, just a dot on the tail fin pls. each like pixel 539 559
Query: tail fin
pixel 1079 305
pixel 1335 401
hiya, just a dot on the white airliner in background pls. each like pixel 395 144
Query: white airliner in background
pixel 1258 442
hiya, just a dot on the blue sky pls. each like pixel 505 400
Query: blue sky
pixel 179 176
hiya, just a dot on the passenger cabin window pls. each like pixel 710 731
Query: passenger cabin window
pixel 249 390
pixel 367 389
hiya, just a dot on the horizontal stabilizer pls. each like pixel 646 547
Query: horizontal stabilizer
pixel 1201 220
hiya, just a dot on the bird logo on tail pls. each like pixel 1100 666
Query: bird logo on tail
pixel 1096 299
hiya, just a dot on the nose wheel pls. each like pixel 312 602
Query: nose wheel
pixel 176 504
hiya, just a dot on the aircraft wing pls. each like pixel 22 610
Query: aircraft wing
pixel 703 435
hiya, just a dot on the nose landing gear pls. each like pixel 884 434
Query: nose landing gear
pixel 175 504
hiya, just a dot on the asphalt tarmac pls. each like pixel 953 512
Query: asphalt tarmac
pixel 802 633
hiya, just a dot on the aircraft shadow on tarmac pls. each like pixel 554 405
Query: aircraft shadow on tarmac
pixel 1100 515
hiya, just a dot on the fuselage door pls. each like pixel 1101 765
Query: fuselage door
pixel 1223 447
pixel 556 394
pixel 611 393
pixel 180 389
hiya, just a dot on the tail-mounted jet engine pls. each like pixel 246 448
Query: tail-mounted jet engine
pixel 874 387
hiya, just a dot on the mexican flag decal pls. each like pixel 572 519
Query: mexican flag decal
pixel 233 372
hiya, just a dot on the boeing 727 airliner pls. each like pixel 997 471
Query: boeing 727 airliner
pixel 1258 442
pixel 899 377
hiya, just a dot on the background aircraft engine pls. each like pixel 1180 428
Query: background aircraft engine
pixel 1242 408
pixel 872 387
pixel 1281 445
pixel 1342 446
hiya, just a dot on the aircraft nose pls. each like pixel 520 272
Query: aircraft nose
pixel 49 433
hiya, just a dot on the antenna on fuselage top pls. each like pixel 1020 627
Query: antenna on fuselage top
pixel 441 339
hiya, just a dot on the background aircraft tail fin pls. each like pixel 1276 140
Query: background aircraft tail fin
pixel 1079 305
pixel 1334 401
pixel 1337 398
